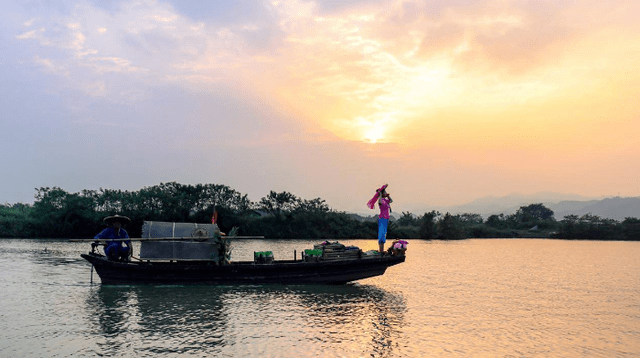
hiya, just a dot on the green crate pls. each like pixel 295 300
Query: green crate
pixel 314 252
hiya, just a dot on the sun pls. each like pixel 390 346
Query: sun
pixel 374 135
pixel 372 131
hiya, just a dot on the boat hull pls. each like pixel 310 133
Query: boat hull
pixel 205 272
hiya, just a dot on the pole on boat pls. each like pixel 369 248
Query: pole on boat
pixel 295 254
pixel 169 238
pixel 91 274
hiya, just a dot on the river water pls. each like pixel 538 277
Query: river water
pixel 471 298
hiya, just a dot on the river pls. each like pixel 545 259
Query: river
pixel 470 298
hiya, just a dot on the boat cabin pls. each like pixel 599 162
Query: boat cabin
pixel 202 248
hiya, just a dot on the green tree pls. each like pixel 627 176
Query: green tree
pixel 15 220
pixel 407 219
pixel 57 213
pixel 631 228
pixel 450 228
pixel 316 205
pixel 470 224
pixel 590 227
pixel 569 227
pixel 470 219
pixel 534 213
pixel 427 222
pixel 499 221
pixel 279 203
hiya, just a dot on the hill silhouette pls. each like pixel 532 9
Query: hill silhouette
pixel 617 208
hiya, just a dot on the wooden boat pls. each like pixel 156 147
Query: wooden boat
pixel 250 272
pixel 199 253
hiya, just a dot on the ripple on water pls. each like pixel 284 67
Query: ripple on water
pixel 469 298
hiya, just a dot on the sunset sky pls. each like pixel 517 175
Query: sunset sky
pixel 447 101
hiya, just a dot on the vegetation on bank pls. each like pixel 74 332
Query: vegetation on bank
pixel 59 214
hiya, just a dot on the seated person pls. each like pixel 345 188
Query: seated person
pixel 398 247
pixel 114 250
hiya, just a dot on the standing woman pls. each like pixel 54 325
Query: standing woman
pixel 384 203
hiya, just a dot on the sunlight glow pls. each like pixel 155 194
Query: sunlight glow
pixel 475 97
pixel 373 135
pixel 480 77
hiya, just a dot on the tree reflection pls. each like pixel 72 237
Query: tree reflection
pixel 156 319
pixel 113 309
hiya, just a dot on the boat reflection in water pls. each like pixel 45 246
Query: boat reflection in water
pixel 265 320
pixel 365 318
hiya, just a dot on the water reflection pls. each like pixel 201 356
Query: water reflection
pixel 156 319
pixel 244 320
pixel 486 298
pixel 351 319
pixel 374 313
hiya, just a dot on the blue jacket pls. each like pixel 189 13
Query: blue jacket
pixel 111 234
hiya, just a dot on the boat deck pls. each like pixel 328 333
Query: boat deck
pixel 281 271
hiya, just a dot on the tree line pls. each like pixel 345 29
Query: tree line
pixel 56 213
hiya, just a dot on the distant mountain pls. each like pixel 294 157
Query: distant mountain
pixel 616 208
pixel 611 208
pixel 511 203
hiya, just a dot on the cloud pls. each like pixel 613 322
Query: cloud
pixel 28 35
pixel 369 71
pixel 476 83
pixel 396 67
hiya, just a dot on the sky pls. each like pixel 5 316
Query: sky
pixel 446 101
